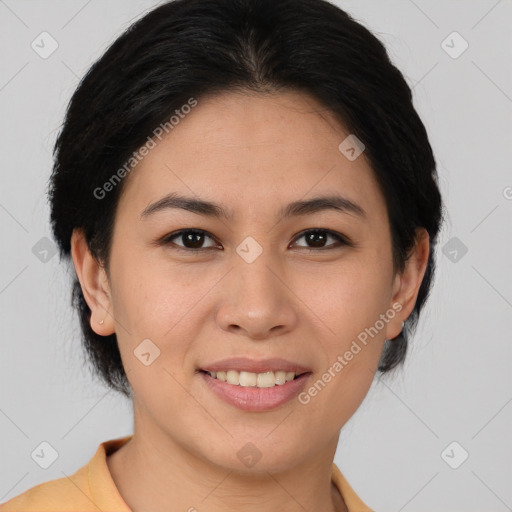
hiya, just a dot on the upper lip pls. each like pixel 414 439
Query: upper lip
pixel 255 365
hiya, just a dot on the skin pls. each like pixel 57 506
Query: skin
pixel 252 154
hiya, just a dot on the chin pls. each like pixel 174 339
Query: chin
pixel 258 456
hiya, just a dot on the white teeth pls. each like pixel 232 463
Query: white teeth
pixel 266 380
pixel 281 378
pixel 250 380
pixel 290 376
pixel 233 377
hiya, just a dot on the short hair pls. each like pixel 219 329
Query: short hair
pixel 192 48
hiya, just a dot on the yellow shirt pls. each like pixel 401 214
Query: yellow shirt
pixel 92 489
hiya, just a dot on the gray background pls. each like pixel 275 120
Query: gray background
pixel 456 383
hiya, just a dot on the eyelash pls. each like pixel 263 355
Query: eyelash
pixel 341 239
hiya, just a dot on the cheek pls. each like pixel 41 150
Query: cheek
pixel 348 297
pixel 147 298
pixel 353 301
pixel 159 303
pixel 350 302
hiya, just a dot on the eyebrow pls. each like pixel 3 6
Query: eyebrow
pixel 296 208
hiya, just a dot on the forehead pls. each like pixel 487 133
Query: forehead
pixel 254 152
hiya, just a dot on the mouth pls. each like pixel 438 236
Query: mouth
pixel 254 392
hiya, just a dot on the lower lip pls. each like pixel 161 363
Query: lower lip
pixel 255 399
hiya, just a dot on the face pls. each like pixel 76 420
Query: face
pixel 312 285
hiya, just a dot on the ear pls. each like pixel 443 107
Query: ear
pixel 406 285
pixel 94 283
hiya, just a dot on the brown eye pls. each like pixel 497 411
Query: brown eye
pixel 192 239
pixel 317 239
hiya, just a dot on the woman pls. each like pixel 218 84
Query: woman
pixel 250 203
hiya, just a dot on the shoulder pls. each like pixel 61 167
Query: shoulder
pixel 89 489
pixel 55 495
pixel 352 500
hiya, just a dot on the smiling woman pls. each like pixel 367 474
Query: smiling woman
pixel 245 278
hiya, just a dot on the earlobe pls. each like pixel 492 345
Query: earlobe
pixel 407 284
pixel 94 283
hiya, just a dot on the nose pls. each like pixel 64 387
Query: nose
pixel 258 302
